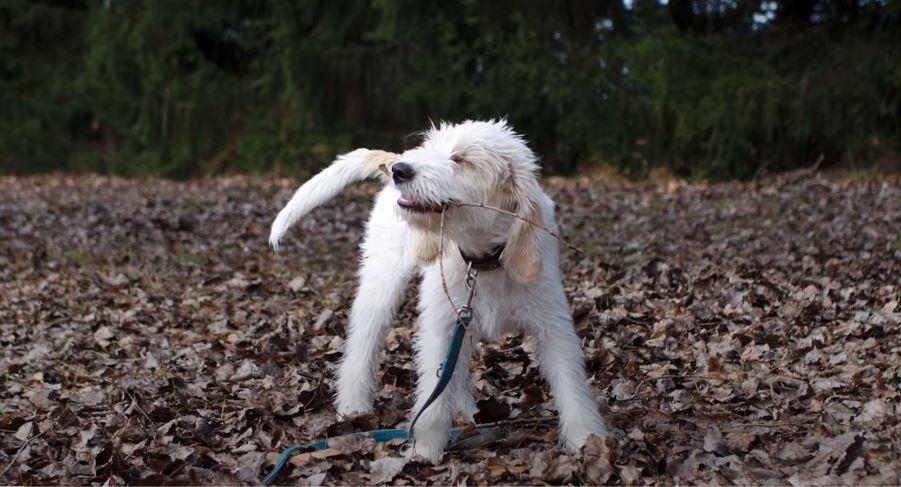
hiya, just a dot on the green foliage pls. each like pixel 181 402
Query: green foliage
pixel 36 71
pixel 730 115
pixel 186 88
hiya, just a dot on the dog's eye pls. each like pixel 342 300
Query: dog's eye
pixel 457 158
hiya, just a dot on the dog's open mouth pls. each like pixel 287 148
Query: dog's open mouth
pixel 408 203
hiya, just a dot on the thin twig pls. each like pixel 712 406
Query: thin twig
pixel 25 445
pixel 773 424
pixel 799 174
pixel 137 405
pixel 511 422
pixel 531 430
pixel 530 222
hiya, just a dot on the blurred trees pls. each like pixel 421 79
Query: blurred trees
pixel 708 87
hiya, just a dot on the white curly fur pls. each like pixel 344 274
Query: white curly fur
pixel 472 162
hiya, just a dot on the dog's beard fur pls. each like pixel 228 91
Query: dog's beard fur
pixel 426 222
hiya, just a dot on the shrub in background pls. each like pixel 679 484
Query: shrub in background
pixel 709 88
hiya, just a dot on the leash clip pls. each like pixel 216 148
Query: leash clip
pixel 465 311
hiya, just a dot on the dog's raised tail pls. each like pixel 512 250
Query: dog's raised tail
pixel 347 169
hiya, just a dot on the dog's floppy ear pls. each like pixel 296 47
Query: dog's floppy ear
pixel 522 255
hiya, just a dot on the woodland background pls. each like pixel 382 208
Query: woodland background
pixel 706 88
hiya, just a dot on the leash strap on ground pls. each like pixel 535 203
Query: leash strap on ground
pixel 490 434
pixel 377 435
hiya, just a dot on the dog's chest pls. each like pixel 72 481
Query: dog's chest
pixel 492 317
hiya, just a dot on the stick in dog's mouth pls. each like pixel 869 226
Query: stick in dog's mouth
pixel 408 203
pixel 547 230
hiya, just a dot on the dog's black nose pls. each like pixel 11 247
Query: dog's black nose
pixel 402 172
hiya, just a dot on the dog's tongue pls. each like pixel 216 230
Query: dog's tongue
pixel 405 200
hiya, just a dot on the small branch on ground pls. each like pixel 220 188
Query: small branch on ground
pixel 24 446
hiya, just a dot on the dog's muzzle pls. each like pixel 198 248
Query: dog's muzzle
pixel 402 173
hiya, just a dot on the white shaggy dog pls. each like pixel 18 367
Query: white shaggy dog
pixel 472 162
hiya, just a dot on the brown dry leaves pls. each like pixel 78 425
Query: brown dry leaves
pixel 735 333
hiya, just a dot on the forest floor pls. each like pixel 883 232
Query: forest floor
pixel 736 333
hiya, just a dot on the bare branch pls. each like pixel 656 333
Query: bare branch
pixel 530 222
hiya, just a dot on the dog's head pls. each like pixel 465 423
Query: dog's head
pixel 474 162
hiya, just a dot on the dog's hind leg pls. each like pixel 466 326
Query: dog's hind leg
pixel 384 274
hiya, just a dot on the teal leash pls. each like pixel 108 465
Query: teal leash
pixel 446 370
pixel 377 435
pixel 445 373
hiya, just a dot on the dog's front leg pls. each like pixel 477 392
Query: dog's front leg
pixel 436 322
pixel 373 309
pixel 562 364
pixel 384 275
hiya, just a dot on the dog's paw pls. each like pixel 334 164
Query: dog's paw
pixel 422 451
pixel 573 438
pixel 349 408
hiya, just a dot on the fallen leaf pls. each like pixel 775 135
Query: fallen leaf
pixel 874 413
pixel 597 456
pixel 385 469
pixel 553 467
pixel 24 431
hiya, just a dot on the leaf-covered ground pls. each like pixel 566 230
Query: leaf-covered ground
pixel 736 333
